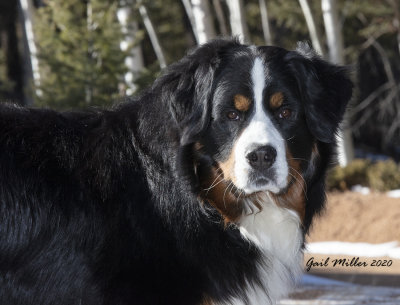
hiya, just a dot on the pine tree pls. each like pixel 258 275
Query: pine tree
pixel 79 53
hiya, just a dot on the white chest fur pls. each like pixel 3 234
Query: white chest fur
pixel 276 231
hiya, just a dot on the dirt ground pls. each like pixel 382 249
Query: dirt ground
pixel 353 217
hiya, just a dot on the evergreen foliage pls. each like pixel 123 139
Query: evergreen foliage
pixel 81 62
pixel 79 51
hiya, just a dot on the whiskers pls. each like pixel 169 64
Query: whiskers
pixel 299 159
pixel 229 188
pixel 215 182
pixel 302 184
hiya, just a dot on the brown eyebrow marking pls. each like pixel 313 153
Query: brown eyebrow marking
pixel 242 103
pixel 276 100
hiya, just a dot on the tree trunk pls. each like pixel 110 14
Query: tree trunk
pixel 203 20
pixel 335 44
pixel 134 62
pixel 238 20
pixel 221 17
pixel 189 13
pixel 396 20
pixel 265 22
pixel 90 62
pixel 30 50
pixel 153 36
pixel 312 28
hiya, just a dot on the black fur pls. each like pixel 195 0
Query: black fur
pixel 102 207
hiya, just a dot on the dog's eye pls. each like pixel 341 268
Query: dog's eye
pixel 285 113
pixel 233 115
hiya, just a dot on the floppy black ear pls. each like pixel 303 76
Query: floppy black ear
pixel 325 88
pixel 187 86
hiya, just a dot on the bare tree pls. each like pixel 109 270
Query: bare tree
pixel 134 62
pixel 396 21
pixel 221 17
pixel 202 19
pixel 237 20
pixel 384 101
pixel 189 12
pixel 30 50
pixel 265 22
pixel 335 43
pixel 153 36
pixel 312 28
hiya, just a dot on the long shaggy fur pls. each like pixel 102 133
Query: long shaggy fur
pixel 108 207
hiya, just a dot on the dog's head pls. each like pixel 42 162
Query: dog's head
pixel 252 120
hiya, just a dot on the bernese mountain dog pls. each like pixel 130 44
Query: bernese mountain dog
pixel 198 191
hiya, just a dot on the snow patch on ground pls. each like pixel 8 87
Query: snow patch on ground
pixel 394 194
pixel 391 249
pixel 366 191
pixel 320 291
pixel 361 189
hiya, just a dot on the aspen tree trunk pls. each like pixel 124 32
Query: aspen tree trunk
pixel 32 65
pixel 237 20
pixel 396 21
pixel 312 28
pixel 221 18
pixel 265 22
pixel 203 20
pixel 189 12
pixel 153 36
pixel 335 44
pixel 134 62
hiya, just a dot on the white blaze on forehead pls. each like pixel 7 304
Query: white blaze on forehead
pixel 258 81
pixel 261 131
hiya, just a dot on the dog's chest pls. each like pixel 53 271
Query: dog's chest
pixel 277 233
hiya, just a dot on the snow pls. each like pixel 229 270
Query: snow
pixel 361 189
pixel 320 291
pixel 366 191
pixel 390 249
pixel 320 281
pixel 394 194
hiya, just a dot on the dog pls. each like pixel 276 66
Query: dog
pixel 198 191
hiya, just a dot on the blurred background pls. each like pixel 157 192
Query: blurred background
pixel 71 54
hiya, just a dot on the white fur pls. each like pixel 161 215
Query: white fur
pixel 260 131
pixel 276 231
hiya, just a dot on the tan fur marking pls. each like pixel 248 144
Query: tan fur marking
pixel 219 190
pixel 220 194
pixel 295 197
pixel 276 100
pixel 228 167
pixel 242 103
pixel 207 301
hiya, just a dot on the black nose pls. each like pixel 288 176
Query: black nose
pixel 262 158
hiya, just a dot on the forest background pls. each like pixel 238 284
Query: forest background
pixel 68 54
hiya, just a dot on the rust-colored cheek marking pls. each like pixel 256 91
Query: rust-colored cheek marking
pixel 227 167
pixel 276 100
pixel 241 102
pixel 219 191
pixel 294 198
pixel 207 301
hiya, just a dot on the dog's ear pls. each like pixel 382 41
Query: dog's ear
pixel 325 89
pixel 187 85
pixel 186 88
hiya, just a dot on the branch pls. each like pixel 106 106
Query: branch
pixel 153 36
pixel 312 28
pixel 265 22
pixel 221 18
pixel 189 13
